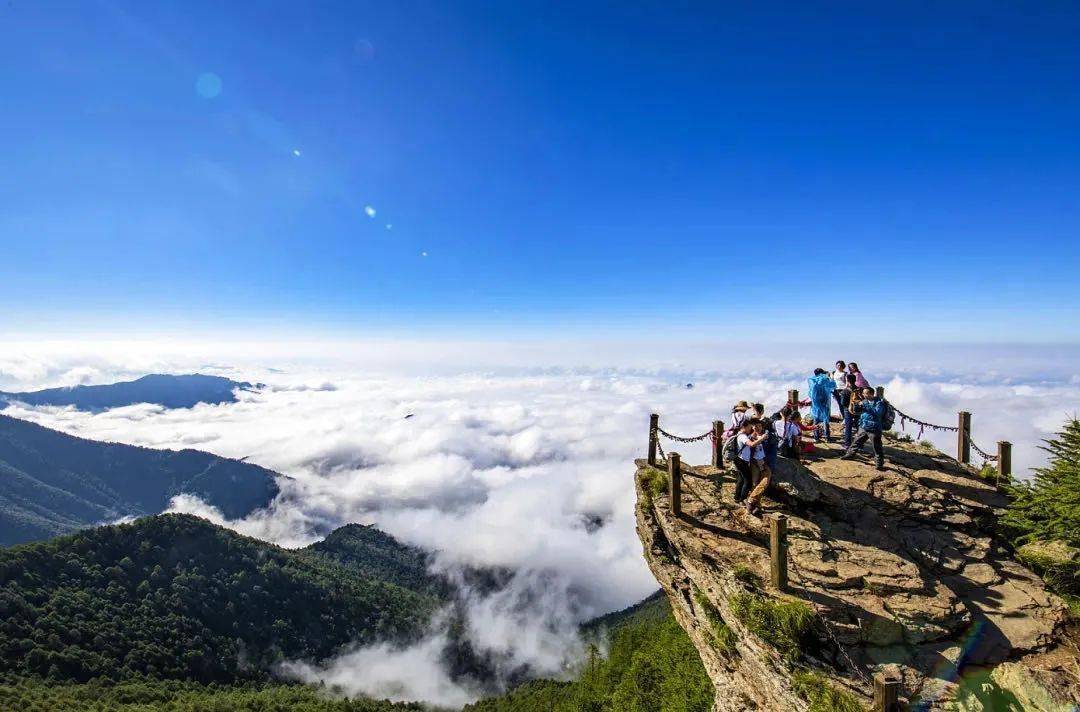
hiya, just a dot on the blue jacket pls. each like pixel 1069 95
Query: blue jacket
pixel 821 390
pixel 870 414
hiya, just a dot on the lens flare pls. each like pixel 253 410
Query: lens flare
pixel 208 85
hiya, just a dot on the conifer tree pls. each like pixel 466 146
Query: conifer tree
pixel 1048 507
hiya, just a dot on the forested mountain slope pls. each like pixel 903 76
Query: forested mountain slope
pixel 52 483
pixel 651 665
pixel 26 695
pixel 372 553
pixel 176 597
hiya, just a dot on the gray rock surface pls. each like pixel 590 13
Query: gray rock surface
pixel 900 567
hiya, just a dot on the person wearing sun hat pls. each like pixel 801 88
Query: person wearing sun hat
pixel 738 415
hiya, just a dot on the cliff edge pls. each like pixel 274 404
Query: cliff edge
pixel 893 574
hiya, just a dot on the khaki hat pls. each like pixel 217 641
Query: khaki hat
pixel 741 406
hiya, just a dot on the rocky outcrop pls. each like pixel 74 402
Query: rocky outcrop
pixel 899 568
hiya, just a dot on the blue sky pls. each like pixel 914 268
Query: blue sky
pixel 747 170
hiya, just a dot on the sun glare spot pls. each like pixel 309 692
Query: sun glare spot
pixel 208 85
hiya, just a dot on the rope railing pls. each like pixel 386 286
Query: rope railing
pixel 824 620
pixel 985 455
pixel 965 444
pixel 923 425
pixel 885 690
pixel 682 439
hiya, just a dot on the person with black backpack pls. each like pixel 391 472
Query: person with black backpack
pixel 743 447
pixel 874 414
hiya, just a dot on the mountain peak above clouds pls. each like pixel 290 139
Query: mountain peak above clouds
pixel 167 390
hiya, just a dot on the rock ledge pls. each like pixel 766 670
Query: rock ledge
pixel 900 567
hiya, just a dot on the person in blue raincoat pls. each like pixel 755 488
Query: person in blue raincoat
pixel 821 389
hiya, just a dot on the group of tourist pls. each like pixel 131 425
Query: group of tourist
pixel 755 440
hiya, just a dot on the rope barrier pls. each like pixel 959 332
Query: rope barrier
pixel 904 419
pixel 803 581
pixel 923 425
pixel 985 455
pixel 680 439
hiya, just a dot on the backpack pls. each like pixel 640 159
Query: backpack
pixel 771 439
pixel 888 416
pixel 731 448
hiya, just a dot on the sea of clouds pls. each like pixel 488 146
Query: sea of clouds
pixel 517 456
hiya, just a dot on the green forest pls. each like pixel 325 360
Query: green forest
pixel 28 695
pixel 651 666
pixel 175 597
pixel 1043 521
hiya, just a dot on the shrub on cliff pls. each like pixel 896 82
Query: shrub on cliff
pixel 1044 515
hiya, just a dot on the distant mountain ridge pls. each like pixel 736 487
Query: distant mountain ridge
pixel 170 391
pixel 52 483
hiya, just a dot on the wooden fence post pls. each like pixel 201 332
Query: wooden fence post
pixel 778 552
pixel 654 423
pixel 793 398
pixel 1004 463
pixel 718 443
pixel 675 483
pixel 886 694
pixel 963 438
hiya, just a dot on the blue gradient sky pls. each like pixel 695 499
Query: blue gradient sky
pixel 756 171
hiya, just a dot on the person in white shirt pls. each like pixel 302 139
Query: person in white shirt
pixel 788 433
pixel 759 469
pixel 748 445
pixel 738 415
pixel 792 435
pixel 839 376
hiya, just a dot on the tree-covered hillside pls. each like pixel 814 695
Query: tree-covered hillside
pixel 29 695
pixel 52 483
pixel 651 666
pixel 181 391
pixel 372 553
pixel 176 597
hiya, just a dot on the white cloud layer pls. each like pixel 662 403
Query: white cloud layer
pixel 527 467
pixel 385 671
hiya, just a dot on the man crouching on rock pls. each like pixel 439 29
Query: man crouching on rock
pixel 871 412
